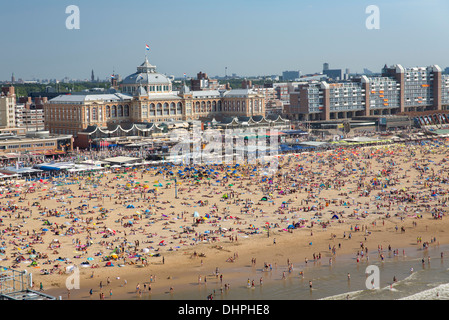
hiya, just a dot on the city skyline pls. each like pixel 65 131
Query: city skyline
pixel 246 38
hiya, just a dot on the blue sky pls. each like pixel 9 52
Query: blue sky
pixel 248 37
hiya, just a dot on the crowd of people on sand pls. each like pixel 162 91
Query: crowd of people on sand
pixel 129 216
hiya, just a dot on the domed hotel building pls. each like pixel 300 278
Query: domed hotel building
pixel 147 97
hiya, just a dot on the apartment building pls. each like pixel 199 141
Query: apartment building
pixel 7 107
pixel 397 90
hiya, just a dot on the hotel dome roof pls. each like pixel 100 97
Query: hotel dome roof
pixel 146 74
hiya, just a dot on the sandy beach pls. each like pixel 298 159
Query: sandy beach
pixel 318 204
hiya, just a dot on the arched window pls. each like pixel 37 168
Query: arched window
pixel 159 109
pixel 179 108
pixel 152 110
pixel 114 111
pixel 203 106
pixel 214 106
pixel 126 111
pixel 108 111
pixel 197 107
pixel 166 111
pixel 172 108
pixel 120 111
pixel 219 106
pixel 209 106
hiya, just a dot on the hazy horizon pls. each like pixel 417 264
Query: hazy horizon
pixel 248 37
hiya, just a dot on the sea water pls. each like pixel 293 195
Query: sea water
pixel 416 277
